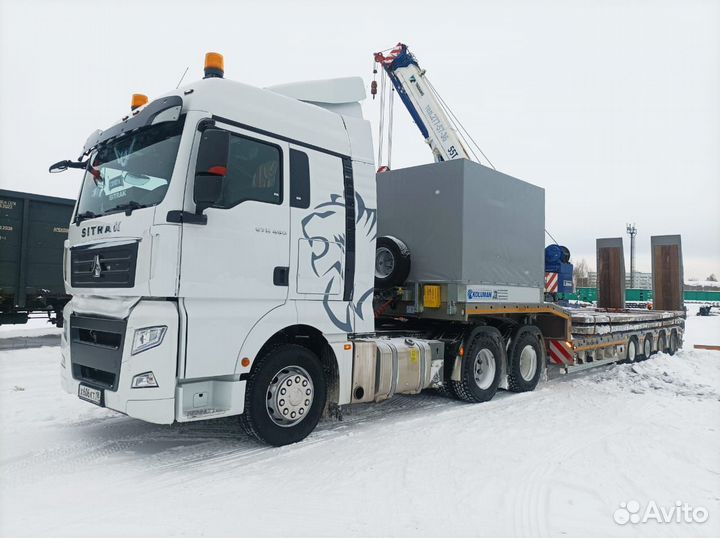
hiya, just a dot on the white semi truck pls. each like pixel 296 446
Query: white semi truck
pixel 223 259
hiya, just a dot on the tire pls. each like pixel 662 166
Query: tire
pixel 647 347
pixel 662 343
pixel 276 420
pixel 392 262
pixel 673 347
pixel 632 349
pixel 525 359
pixel 481 366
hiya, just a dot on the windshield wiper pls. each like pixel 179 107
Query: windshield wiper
pixel 86 215
pixel 128 207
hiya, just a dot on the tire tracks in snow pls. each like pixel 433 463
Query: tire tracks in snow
pixel 534 494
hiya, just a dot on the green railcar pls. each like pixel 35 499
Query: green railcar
pixel 33 229
pixel 642 296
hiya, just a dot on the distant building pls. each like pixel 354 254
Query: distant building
pixel 643 281
pixel 589 281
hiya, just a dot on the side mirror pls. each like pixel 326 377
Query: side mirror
pixel 211 167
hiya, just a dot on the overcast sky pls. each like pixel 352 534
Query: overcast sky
pixel 612 107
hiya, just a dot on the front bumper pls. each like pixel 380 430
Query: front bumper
pixel 97 349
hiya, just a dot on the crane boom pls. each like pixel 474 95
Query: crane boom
pixel 426 109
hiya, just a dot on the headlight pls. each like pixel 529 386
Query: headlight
pixel 147 338
pixel 144 381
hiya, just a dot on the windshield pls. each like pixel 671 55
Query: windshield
pixel 131 172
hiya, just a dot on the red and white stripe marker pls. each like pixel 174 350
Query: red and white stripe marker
pixel 559 353
pixel 551 282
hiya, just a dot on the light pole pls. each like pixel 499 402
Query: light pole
pixel 632 232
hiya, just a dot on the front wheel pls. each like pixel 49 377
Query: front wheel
pixel 284 396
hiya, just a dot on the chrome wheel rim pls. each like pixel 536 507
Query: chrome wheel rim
pixel 384 262
pixel 289 396
pixel 528 362
pixel 484 368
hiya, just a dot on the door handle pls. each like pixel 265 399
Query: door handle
pixel 281 276
pixel 186 217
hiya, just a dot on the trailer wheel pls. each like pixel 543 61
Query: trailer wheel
pixel 525 359
pixel 392 262
pixel 632 347
pixel 481 366
pixel 672 349
pixel 662 343
pixel 647 347
pixel 284 396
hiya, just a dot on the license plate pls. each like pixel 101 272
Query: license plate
pixel 90 394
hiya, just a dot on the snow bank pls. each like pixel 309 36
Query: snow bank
pixel 690 374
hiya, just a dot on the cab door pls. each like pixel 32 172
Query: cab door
pixel 233 268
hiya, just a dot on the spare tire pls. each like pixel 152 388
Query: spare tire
pixel 392 262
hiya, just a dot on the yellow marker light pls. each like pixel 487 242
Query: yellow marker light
pixel 214 65
pixel 138 100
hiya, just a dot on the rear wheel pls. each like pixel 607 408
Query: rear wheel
pixel 632 349
pixel 672 349
pixel 647 346
pixel 284 396
pixel 662 344
pixel 481 366
pixel 525 360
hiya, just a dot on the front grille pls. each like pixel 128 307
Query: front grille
pixel 107 267
pixel 96 348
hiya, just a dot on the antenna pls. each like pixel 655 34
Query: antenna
pixel 632 232
pixel 182 77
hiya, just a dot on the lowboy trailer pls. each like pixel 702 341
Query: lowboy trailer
pixel 233 252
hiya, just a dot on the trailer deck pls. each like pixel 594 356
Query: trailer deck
pixel 601 336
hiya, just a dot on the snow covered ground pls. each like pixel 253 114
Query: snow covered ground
pixel 38 326
pixel 558 461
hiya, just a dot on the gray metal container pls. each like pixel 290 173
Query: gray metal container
pixel 465 223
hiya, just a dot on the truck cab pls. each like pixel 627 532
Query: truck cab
pixel 215 224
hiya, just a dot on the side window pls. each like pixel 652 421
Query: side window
pixel 299 179
pixel 254 172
